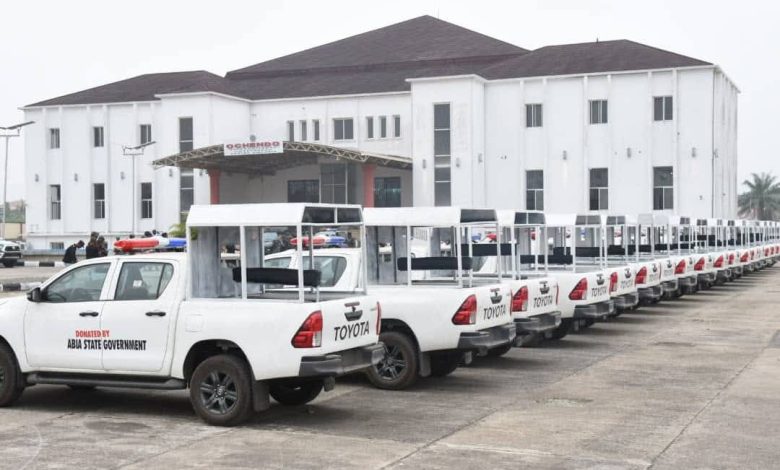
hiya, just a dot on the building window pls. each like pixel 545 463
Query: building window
pixel 533 115
pixel 57 245
pixel 598 111
pixel 534 190
pixel 599 192
pixel 146 134
pixel 54 138
pixel 146 200
pixel 186 192
pixel 303 191
pixel 316 125
pixel 387 191
pixel 290 131
pixel 663 188
pixel 304 131
pixel 383 127
pixel 396 126
pixel 99 201
pixel 442 179
pixel 97 136
pixel 55 202
pixel 343 129
pixel 333 178
pixel 662 108
pixel 185 134
pixel 370 127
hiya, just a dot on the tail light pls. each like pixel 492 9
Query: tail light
pixel 378 318
pixel 579 291
pixel 641 275
pixel 309 335
pixel 744 257
pixel 467 312
pixel 613 282
pixel 680 268
pixel 731 258
pixel 699 265
pixel 719 262
pixel 520 300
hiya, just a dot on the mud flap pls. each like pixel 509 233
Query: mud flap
pixel 261 399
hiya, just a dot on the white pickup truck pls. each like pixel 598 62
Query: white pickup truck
pixel 231 334
pixel 435 314
pixel 585 287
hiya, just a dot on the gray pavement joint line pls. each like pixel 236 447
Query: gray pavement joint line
pixel 180 446
pixel 705 407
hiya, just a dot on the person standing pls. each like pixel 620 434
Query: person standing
pixel 70 253
pixel 102 247
pixel 93 250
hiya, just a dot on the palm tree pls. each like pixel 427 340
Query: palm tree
pixel 762 200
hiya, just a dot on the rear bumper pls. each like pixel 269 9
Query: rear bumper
pixel 723 275
pixel 708 278
pixel 736 271
pixel 536 324
pixel 670 287
pixel 595 311
pixel 626 301
pixel 342 362
pixel 689 285
pixel 650 294
pixel 483 340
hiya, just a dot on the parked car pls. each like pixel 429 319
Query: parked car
pixel 10 253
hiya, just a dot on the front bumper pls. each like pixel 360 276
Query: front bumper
pixel 595 311
pixel 650 294
pixel 342 362
pixel 626 301
pixel 483 340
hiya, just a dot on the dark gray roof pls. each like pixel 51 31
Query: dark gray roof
pixel 381 61
pixel 589 57
pixel 421 39
pixel 144 88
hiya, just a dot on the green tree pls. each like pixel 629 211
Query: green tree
pixel 762 199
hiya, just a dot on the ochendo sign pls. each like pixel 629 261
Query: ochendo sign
pixel 258 147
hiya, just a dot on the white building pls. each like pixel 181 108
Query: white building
pixel 614 126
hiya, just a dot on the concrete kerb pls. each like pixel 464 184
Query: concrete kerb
pixel 18 286
pixel 40 264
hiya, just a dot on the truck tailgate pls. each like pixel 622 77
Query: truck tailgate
pixel 349 323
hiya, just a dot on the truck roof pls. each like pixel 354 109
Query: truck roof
pixel 275 214
pixel 426 216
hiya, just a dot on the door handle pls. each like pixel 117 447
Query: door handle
pixel 155 313
pixel 88 314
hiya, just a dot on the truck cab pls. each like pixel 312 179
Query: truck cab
pixel 234 332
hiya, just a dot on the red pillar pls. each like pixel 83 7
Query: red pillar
pixel 368 184
pixel 214 176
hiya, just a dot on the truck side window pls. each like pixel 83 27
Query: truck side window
pixel 143 281
pixel 331 267
pixel 82 284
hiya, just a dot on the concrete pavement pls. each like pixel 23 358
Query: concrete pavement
pixel 691 383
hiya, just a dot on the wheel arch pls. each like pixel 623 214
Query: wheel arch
pixel 204 349
pixel 392 324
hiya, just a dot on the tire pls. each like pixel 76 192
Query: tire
pixel 589 322
pixel 500 351
pixel 561 331
pixel 295 393
pixel 11 381
pixel 535 341
pixel 400 367
pixel 9 264
pixel 445 363
pixel 221 390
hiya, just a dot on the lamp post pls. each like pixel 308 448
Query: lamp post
pixel 133 152
pixel 7 134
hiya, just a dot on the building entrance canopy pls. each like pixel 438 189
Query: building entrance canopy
pixel 294 154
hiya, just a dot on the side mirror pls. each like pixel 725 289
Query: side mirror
pixel 35 295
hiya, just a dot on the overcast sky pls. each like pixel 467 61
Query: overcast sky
pixel 51 48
